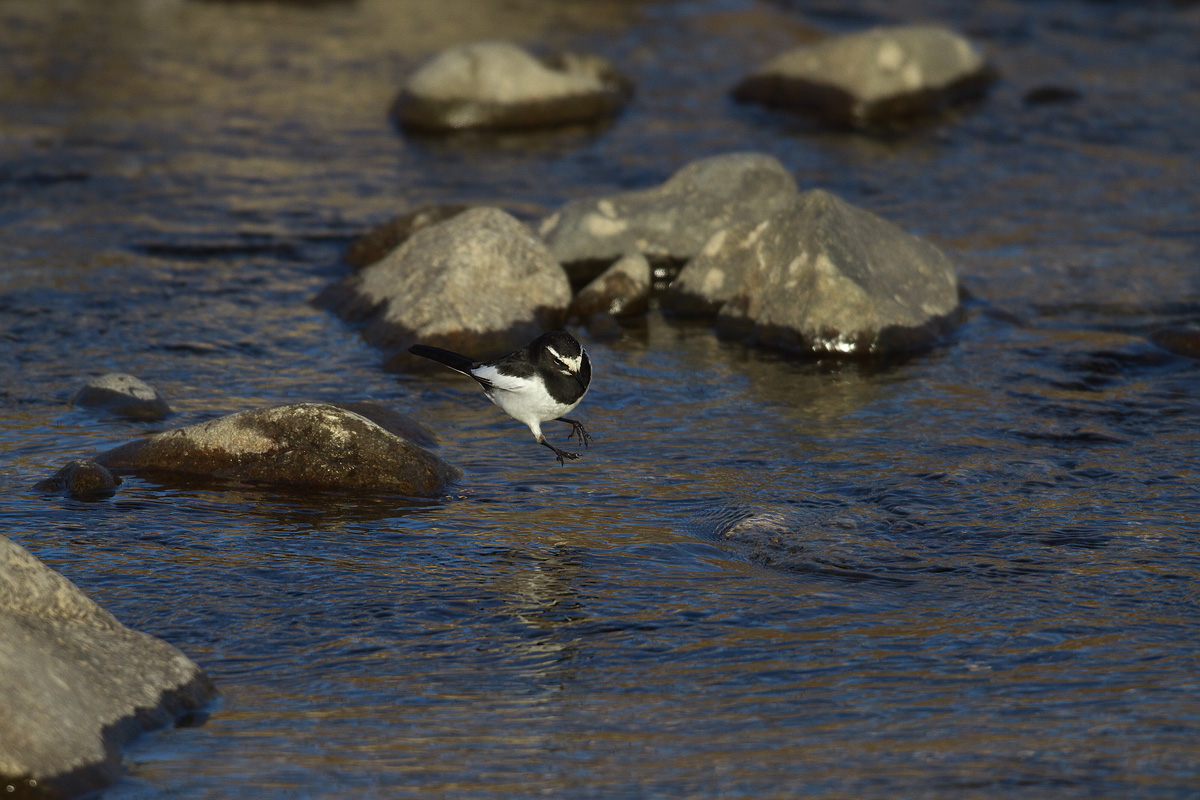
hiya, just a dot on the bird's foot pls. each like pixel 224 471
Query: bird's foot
pixel 562 455
pixel 577 431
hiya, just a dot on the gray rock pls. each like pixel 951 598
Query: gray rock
pixel 670 222
pixel 313 445
pixel 122 396
pixel 80 479
pixel 76 684
pixel 479 283
pixel 498 85
pixel 622 291
pixel 822 277
pixel 383 239
pixel 873 77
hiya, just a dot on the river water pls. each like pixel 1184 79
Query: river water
pixel 971 573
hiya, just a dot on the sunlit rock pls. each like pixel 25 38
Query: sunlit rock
pixel 383 239
pixel 872 77
pixel 478 283
pixel 821 277
pixel 313 445
pixel 498 85
pixel 122 396
pixel 76 684
pixel 669 222
pixel 80 479
pixel 622 291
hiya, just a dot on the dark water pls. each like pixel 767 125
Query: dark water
pixel 975 573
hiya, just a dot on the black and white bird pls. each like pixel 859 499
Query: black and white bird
pixel 541 382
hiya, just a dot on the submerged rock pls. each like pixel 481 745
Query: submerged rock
pixel 315 445
pixel 622 291
pixel 383 239
pixel 670 222
pixel 1182 340
pixel 498 85
pixel 479 283
pixel 873 77
pixel 122 396
pixel 821 276
pixel 76 684
pixel 80 479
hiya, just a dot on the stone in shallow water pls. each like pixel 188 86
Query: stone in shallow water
pixel 669 222
pixel 498 85
pixel 873 77
pixel 80 479
pixel 313 445
pixel 76 684
pixel 383 239
pixel 821 277
pixel 479 283
pixel 622 291
pixel 123 396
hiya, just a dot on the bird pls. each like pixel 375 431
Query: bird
pixel 538 383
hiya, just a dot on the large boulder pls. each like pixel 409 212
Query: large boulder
pixel 667 223
pixel 821 277
pixel 873 77
pixel 76 684
pixel 309 445
pixel 387 236
pixel 124 396
pixel 478 283
pixel 499 85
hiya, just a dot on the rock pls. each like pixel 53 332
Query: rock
pixel 479 283
pixel 1182 340
pixel 383 239
pixel 391 420
pixel 821 277
pixel 874 77
pixel 622 291
pixel 122 396
pixel 80 479
pixel 311 445
pixel 76 684
pixel 1050 95
pixel 498 85
pixel 670 222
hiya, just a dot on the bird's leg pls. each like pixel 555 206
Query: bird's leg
pixel 577 430
pixel 562 454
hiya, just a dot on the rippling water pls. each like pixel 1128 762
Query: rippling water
pixel 971 573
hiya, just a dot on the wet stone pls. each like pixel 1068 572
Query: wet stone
pixel 76 684
pixel 312 445
pixel 623 290
pixel 669 222
pixel 383 239
pixel 80 479
pixel 821 277
pixel 123 396
pixel 478 283
pixel 1182 340
pixel 498 85
pixel 874 77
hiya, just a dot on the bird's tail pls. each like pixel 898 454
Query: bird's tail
pixel 452 360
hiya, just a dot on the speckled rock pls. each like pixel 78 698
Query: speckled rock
pixel 623 290
pixel 80 479
pixel 873 77
pixel 383 239
pixel 76 684
pixel 670 222
pixel 122 396
pixel 498 85
pixel 315 445
pixel 479 283
pixel 821 277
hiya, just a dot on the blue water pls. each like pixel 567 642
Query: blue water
pixel 971 573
